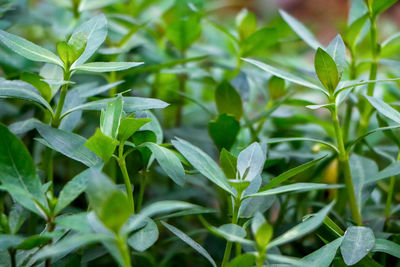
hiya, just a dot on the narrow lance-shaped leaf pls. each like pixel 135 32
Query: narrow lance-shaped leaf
pixel 303 228
pixel 202 162
pixel 169 162
pixel 386 246
pixel 107 66
pixel 326 70
pixel 323 256
pixel 29 50
pixel 185 238
pixel 301 30
pixel 299 187
pixel 284 75
pixel 337 51
pixel 110 119
pixel 384 108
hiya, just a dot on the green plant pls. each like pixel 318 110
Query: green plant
pixel 135 133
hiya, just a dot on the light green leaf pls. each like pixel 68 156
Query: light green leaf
pixel 28 50
pixel 69 144
pixel 131 104
pixel 259 40
pixel 290 173
pixel 250 161
pixel 358 241
pixel 301 30
pixel 384 108
pixel 297 187
pixel 22 90
pixel 324 256
pixel 110 119
pixel 246 23
pixel 106 66
pixel 326 70
pixel 243 260
pixel 182 32
pixel 263 235
pixel 303 228
pixel 102 145
pixel 95 32
pixel 166 206
pixel 392 170
pixel 337 51
pixel 169 162
pixel 185 238
pixel 129 126
pixel 379 6
pixel 386 246
pixel 349 84
pixel 145 237
pixel 228 164
pixel 283 74
pixel 203 163
pixel 294 139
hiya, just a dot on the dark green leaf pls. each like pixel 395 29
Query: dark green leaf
pixel 228 100
pixel 224 130
pixel 228 163
pixel 326 70
pixel 102 145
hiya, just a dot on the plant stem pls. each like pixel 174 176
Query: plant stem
pixel 143 179
pixel 261 259
pixel 228 248
pixel 124 250
pixel 182 88
pixel 391 191
pixel 60 105
pixel 50 227
pixel 345 166
pixel 127 181
pixel 12 253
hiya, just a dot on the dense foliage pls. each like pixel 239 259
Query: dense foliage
pixel 165 133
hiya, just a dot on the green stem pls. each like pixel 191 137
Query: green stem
pixel 391 191
pixel 261 258
pixel 345 166
pixel 50 227
pixel 124 250
pixel 182 88
pixel 57 117
pixel 143 179
pixel 12 253
pixel 228 248
pixel 48 166
pixel 125 175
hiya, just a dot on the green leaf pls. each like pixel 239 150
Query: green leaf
pixel 294 139
pixel 106 66
pixel 34 241
pixel 224 130
pixel 250 162
pixel 185 238
pixel 145 237
pixel 166 206
pixel 228 100
pixel 17 217
pixel 350 84
pixel 386 246
pixel 169 162
pixel 129 126
pixel 131 104
pixel 228 163
pixel 337 51
pixel 22 90
pixel 36 81
pixel 182 32
pixel 290 173
pixel 390 46
pixel 303 228
pixel 263 235
pixel 95 32
pixel 77 222
pixel 9 241
pixel 361 169
pixel 323 256
pixel 392 170
pixel 246 23
pixel 259 40
pixel 72 190
pixel 353 33
pixel 17 167
pixel 67 245
pixel 102 145
pixel 357 242
pixel 28 50
pixel 243 260
pixel 276 87
pixel 297 187
pixel 300 30
pixel 382 129
pixel 384 108
pixel 283 74
pixel 53 73
pixel 110 119
pixel 379 6
pixel 326 70
pixel 203 163
pixel 68 144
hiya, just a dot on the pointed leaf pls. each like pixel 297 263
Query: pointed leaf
pixel 358 241
pixel 326 70
pixel 106 66
pixel 384 108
